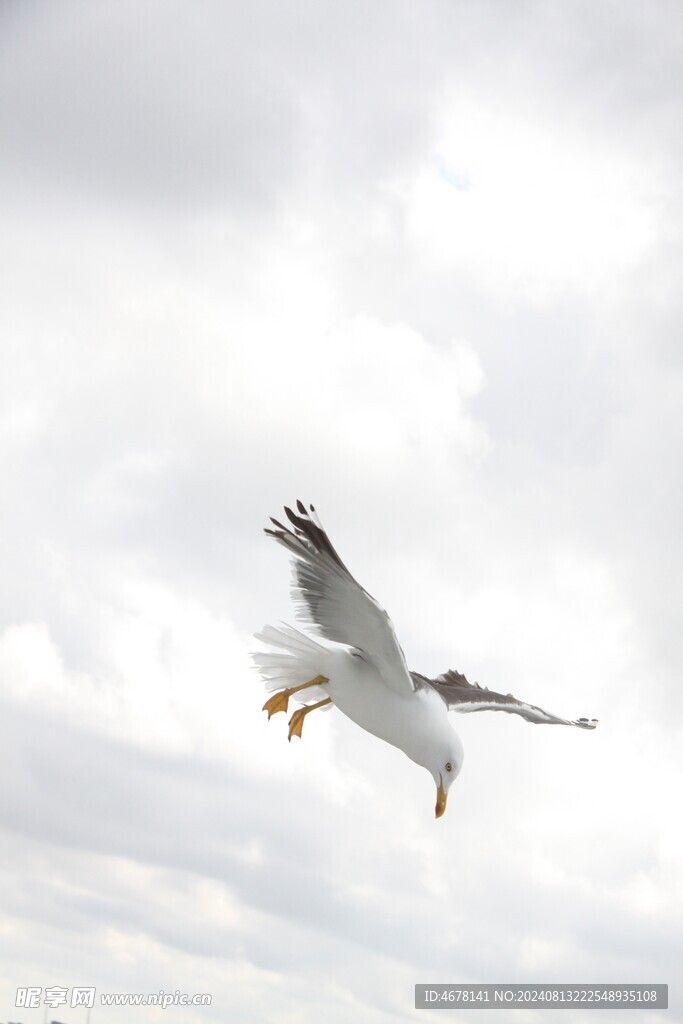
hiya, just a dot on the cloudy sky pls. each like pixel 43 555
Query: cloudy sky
pixel 419 264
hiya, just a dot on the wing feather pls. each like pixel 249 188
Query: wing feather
pixel 333 603
pixel 463 696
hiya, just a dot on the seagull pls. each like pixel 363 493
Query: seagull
pixel 364 673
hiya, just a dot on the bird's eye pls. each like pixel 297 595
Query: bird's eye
pixel 449 766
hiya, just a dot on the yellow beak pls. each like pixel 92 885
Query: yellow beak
pixel 441 798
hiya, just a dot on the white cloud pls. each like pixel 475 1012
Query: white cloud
pixel 527 208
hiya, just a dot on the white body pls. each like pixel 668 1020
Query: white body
pixel 415 722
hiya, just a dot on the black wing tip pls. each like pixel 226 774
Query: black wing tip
pixel 295 532
pixel 293 517
pixel 279 531
pixel 308 532
pixel 301 509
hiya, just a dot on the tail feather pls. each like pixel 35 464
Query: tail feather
pixel 291 658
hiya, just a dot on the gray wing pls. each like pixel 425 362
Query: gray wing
pixel 330 600
pixel 464 697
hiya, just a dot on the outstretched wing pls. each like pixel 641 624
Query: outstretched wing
pixel 462 696
pixel 330 600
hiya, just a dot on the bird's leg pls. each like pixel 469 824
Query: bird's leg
pixel 296 722
pixel 280 700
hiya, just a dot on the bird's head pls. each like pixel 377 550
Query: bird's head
pixel 445 768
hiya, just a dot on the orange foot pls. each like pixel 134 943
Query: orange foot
pixel 278 702
pixel 296 722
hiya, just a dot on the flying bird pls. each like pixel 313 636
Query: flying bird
pixel 365 674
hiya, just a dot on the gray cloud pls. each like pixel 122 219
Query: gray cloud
pixel 89 810
pixel 214 105
pixel 147 104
